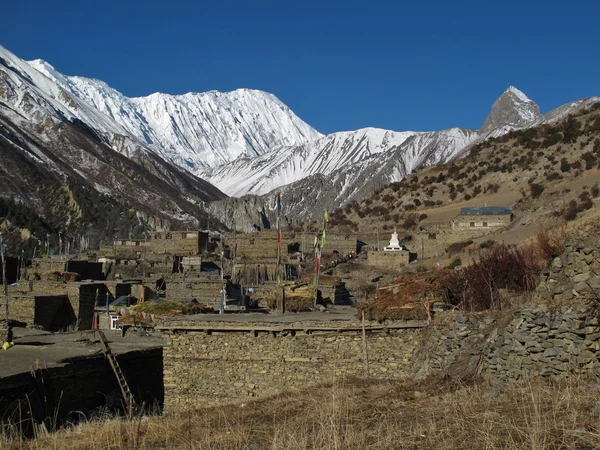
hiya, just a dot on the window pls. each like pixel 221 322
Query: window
pixel 472 224
pixel 168 236
pixel 114 322
pixel 485 224
pixel 157 236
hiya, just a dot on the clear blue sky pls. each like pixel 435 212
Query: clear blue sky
pixel 340 65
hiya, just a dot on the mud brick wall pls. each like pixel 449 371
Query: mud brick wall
pixel 343 243
pixel 388 260
pixel 21 307
pixel 205 291
pixel 182 243
pixel 42 266
pixel 492 221
pixel 201 368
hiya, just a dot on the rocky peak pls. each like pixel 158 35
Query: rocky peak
pixel 513 108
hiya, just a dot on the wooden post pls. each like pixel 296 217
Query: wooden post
pixel 377 231
pixel 364 344
pixel 222 302
pixel 4 283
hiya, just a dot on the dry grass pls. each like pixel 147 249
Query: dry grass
pixel 437 414
pixel 551 242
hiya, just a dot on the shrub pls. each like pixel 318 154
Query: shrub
pixel 458 247
pixel 595 190
pixel 422 217
pixel 570 211
pixel 475 288
pixel 553 176
pixel 564 165
pixel 410 222
pixel 456 262
pixel 536 190
pixel 586 202
pixel 492 187
pixel 550 243
pixel 590 160
pixel 487 244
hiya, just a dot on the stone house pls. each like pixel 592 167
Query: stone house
pixel 486 217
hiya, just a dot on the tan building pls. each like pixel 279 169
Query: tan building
pixel 483 217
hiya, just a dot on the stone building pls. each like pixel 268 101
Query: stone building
pixel 182 243
pixel 485 217
pixel 393 257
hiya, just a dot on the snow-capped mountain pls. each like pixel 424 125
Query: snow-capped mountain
pixel 286 165
pixel 58 156
pixel 244 141
pixel 512 108
pixel 307 197
pixel 194 130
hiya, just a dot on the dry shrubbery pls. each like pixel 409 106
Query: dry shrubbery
pixel 476 287
pixel 458 247
pixel 362 414
pixel 405 298
pixel 550 243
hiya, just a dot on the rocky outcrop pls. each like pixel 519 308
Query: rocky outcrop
pixel 245 214
pixel 513 109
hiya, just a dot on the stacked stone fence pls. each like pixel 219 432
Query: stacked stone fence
pixel 208 364
pixel 576 273
pixel 542 340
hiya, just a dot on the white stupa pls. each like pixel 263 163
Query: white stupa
pixel 394 244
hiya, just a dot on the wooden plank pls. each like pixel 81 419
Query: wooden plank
pixel 253 329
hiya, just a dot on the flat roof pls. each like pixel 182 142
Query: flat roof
pixel 485 211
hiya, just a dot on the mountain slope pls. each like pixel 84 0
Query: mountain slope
pixel 67 172
pixel 306 198
pixel 286 165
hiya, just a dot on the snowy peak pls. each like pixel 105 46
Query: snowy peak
pixel 513 109
pixel 281 166
pixel 194 130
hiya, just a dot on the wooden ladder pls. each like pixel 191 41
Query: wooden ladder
pixel 128 400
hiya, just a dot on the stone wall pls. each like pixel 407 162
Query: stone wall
pixel 263 244
pixel 576 273
pixel 388 260
pixel 214 367
pixel 21 307
pixel 204 290
pixel 523 343
pixel 482 221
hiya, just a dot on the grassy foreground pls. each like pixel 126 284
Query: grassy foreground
pixel 359 414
